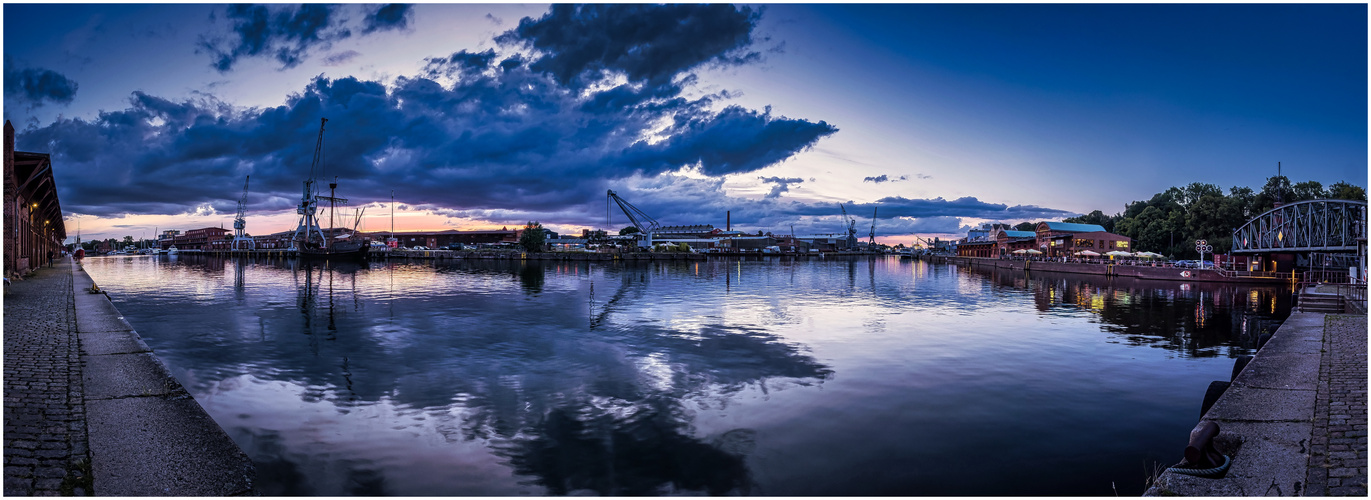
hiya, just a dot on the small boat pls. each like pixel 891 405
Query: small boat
pixel 172 250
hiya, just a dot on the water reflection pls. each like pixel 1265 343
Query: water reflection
pixel 1199 319
pixel 527 378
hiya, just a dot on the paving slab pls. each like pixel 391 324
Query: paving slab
pixel 1281 370
pixel 1272 459
pixel 1297 340
pixel 102 343
pixel 127 375
pixel 1256 404
pixel 95 313
pixel 163 446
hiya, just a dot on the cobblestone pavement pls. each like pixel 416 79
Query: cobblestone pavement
pixel 46 451
pixel 1337 452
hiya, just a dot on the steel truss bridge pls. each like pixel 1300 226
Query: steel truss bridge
pixel 1306 226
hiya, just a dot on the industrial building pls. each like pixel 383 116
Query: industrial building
pixel 33 217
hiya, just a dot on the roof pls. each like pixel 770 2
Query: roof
pixel 1021 234
pixel 1074 227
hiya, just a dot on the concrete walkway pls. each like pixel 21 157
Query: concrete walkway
pixel 129 428
pixel 1294 420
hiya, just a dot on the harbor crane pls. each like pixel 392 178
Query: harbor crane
pixel 871 239
pixel 309 204
pixel 636 216
pixel 851 228
pixel 241 241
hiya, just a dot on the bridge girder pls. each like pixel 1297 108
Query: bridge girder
pixel 1306 226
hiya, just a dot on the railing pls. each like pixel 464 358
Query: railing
pixel 1353 293
pixel 1230 273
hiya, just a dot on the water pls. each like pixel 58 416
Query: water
pixel 762 377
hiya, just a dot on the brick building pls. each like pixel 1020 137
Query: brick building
pixel 33 217
pixel 1059 239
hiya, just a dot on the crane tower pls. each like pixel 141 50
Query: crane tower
pixel 241 241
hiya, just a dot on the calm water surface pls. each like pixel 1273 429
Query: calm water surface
pixel 765 377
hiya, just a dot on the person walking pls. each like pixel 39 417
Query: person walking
pixel 50 262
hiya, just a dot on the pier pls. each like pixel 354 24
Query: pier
pixel 91 410
pixel 1293 419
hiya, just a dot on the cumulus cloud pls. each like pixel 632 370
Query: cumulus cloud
pixel 395 16
pixel 502 136
pixel 37 86
pixel 286 33
pixel 782 184
pixel 645 43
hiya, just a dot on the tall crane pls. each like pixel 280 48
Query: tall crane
pixel 871 240
pixel 241 241
pixel 309 205
pixel 851 228
pixel 634 216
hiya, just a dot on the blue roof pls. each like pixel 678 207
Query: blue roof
pixel 1021 234
pixel 1074 227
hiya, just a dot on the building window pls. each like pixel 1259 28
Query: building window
pixel 1121 244
pixel 1082 243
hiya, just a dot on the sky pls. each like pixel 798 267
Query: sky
pixel 936 118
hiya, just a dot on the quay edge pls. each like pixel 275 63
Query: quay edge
pixel 1127 271
pixel 147 435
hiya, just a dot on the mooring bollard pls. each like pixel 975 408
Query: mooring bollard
pixel 1201 453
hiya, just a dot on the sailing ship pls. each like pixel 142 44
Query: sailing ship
pixel 310 240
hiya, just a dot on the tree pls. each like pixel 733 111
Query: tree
pixel 629 230
pixel 533 239
pixel 128 240
pixel 1307 190
pixel 1026 226
pixel 1098 218
pixel 1344 191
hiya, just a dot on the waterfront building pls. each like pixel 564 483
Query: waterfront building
pixel 33 217
pixel 1062 239
pixel 1008 241
pixel 207 238
pixel 984 248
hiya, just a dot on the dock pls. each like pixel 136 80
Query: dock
pixel 1293 420
pixel 91 410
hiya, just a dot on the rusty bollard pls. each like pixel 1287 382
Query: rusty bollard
pixel 1201 457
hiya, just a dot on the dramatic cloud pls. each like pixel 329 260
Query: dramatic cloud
pixel 395 16
pixel 645 43
pixel 781 184
pixel 501 136
pixel 36 86
pixel 286 33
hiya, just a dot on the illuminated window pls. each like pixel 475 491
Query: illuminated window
pixel 1121 244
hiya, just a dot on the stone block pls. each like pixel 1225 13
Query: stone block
pixel 1281 370
pixel 117 342
pixel 125 375
pixel 1255 404
pixel 163 446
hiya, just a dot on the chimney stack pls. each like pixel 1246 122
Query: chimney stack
pixel 728 221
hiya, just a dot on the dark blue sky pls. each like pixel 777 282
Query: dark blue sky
pixel 478 115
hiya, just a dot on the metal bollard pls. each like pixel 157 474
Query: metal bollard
pixel 1200 453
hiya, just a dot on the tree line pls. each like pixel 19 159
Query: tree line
pixel 1172 220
